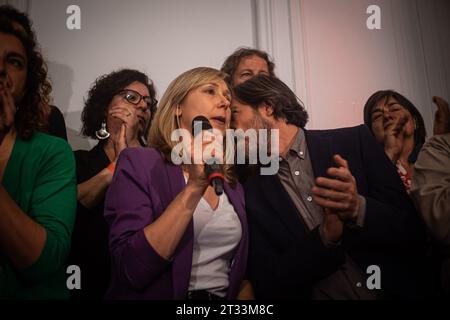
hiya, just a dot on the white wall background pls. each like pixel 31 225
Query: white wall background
pixel 322 48
pixel 344 62
pixel 326 53
pixel 160 37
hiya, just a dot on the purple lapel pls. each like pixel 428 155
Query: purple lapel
pixel 182 259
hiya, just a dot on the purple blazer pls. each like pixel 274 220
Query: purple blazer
pixel 142 188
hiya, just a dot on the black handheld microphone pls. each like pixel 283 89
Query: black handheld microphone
pixel 213 171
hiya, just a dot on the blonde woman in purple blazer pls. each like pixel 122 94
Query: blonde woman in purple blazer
pixel 171 236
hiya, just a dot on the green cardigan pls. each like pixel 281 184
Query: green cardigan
pixel 40 178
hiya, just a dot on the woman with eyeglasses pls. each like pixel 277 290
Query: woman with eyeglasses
pixel 117 113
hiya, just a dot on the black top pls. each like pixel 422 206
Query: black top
pixel 90 249
pixel 56 125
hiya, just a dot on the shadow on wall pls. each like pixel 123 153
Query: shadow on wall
pixel 61 78
pixel 62 81
pixel 76 140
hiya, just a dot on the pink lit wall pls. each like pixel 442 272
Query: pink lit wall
pixel 344 62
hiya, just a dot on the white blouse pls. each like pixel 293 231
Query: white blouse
pixel 217 234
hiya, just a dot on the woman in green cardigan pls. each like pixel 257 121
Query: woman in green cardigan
pixel 37 175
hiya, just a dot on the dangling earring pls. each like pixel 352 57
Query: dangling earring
pixel 102 134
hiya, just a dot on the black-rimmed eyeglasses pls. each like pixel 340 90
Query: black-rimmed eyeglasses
pixel 135 98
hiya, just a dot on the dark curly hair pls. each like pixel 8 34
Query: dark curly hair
pixel 263 89
pixel 103 91
pixel 232 62
pixel 419 132
pixel 31 114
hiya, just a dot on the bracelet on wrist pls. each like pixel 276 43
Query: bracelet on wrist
pixel 111 167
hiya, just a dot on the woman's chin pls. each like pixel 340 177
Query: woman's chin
pixel 217 125
pixel 219 129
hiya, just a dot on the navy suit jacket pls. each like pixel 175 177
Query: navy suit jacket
pixel 286 260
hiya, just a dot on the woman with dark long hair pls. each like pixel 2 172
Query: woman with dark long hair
pixel 37 174
pixel 56 125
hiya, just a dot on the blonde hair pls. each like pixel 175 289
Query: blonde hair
pixel 165 122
